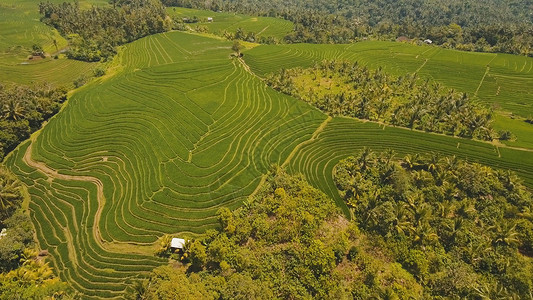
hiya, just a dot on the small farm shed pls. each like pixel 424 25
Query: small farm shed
pixel 209 19
pixel 177 243
pixel 428 41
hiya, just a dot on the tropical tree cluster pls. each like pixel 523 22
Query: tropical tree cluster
pixel 348 89
pixel 494 26
pixel 94 33
pixel 23 274
pixel 462 229
pixel 34 279
pixel 250 36
pixel 287 242
pixel 23 109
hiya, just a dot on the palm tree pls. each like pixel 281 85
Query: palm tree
pixel 493 292
pixel 424 234
pixel 9 193
pixel 137 291
pixel 400 224
pixel 372 214
pixel 411 161
pixel 164 245
pixel 13 110
pixel 422 214
pixel 389 155
pixel 433 163
pixel 455 229
pixel 365 158
pixel 505 233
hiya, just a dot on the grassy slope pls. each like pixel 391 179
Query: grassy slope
pixel 180 132
pixel 230 22
pixel 500 80
pixel 20 29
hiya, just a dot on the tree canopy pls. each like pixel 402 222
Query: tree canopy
pixel 287 242
pixel 348 89
pixel 462 229
pixel 94 33
pixel 489 26
pixel 424 227
pixel 24 109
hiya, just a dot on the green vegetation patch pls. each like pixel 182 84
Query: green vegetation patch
pixel 345 88
pixel 459 70
pixel 225 22
pixel 289 241
pixel 445 219
pixel 343 137
pixel 500 81
pixel 181 132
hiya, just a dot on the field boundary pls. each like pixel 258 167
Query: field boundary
pixel 313 138
pixel 54 174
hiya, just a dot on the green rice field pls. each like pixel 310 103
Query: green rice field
pixel 180 129
pixel 159 148
pixel 501 81
pixel 230 22
pixel 20 29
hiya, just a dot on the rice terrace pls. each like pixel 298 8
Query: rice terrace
pixel 197 119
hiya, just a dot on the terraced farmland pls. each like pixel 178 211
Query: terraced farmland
pixel 343 137
pixel 500 80
pixel 179 131
pixel 159 148
pixel 20 29
pixel 230 22
pixel 56 71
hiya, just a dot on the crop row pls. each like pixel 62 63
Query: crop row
pixel 178 134
pixel 500 80
pixel 345 137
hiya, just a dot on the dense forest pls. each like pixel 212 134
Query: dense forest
pixel 423 227
pixel 462 229
pixel 488 26
pixel 93 34
pixel 289 242
pixel 23 272
pixel 24 109
pixel 345 88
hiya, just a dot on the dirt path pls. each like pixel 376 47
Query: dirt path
pixel 117 247
pixel 247 68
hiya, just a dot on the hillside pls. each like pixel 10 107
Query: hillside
pixel 195 133
pixel 500 81
pixel 175 133
pixel 20 29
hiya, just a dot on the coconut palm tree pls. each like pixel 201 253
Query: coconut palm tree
pixel 13 110
pixel 505 233
pixel 424 235
pixel 9 193
pixel 365 158
pixel 400 223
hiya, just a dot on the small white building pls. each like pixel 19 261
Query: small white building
pixel 209 19
pixel 177 243
pixel 428 41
